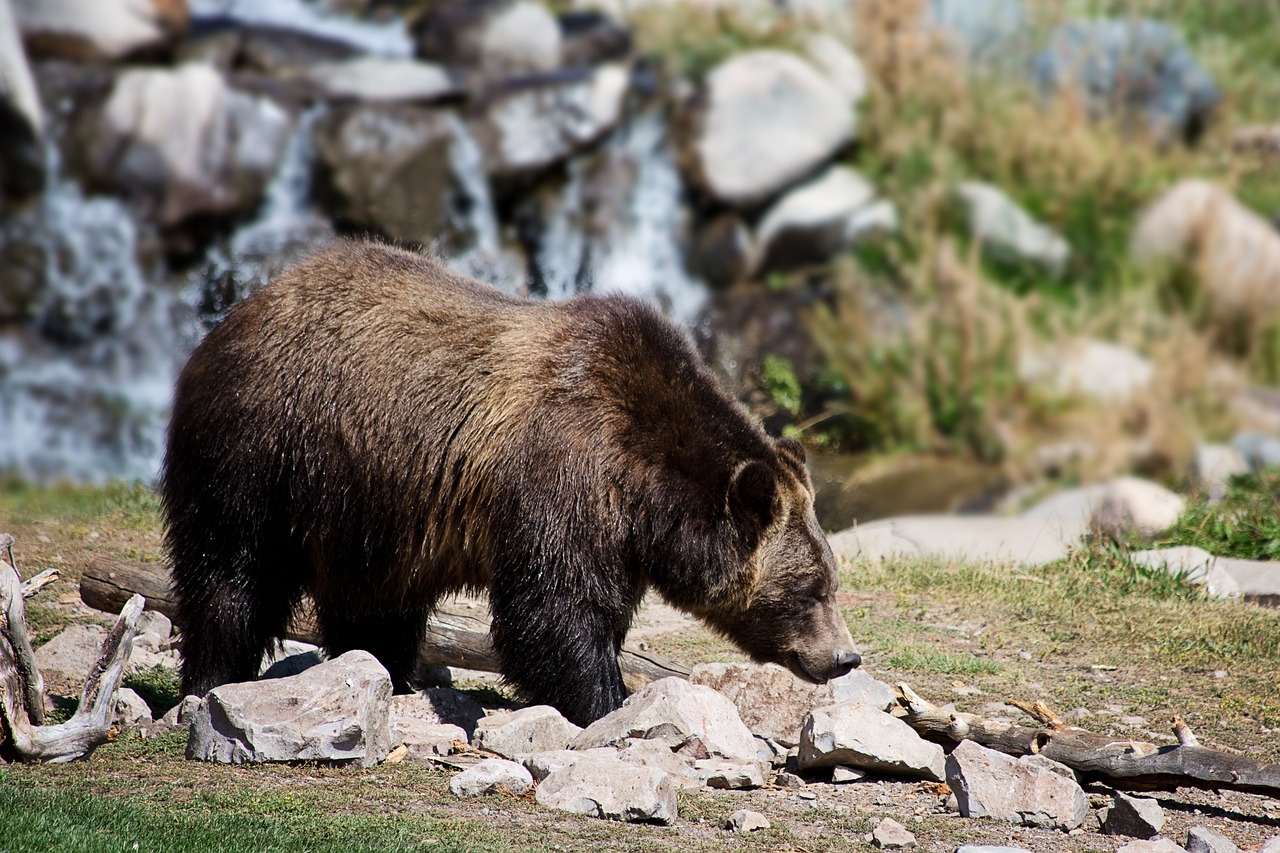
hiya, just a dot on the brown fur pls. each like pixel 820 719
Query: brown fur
pixel 378 431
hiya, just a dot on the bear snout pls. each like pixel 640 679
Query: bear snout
pixel 846 662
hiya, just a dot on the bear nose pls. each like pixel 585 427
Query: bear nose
pixel 846 661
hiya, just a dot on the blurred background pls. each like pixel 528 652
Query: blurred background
pixel 968 250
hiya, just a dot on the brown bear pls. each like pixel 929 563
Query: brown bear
pixel 378 431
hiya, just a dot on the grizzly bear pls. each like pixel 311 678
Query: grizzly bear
pixel 378 431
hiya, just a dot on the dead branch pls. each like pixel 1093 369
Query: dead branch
pixel 22 688
pixel 451 639
pixel 39 582
pixel 1125 764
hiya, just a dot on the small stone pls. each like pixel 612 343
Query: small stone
pixel 1031 790
pixel 807 795
pixel 491 776
pixel 1009 232
pixel 729 775
pixel 539 728
pixel 789 781
pixel 891 835
pixel 744 820
pixel 840 774
pixel 1133 721
pixel 132 711
pixel 1201 839
pixel 1136 817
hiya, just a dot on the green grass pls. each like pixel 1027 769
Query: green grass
pixel 1245 524
pixel 130 504
pixel 159 686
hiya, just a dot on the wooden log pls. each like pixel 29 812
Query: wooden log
pixel 22 697
pixel 1120 763
pixel 452 639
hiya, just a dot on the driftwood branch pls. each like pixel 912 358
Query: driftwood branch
pixel 1125 764
pixel 22 689
pixel 39 582
pixel 452 639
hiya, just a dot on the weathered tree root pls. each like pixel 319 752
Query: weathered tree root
pixel 23 735
pixel 1124 764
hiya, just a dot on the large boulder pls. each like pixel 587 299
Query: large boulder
pixel 765 120
pixel 22 142
pixel 859 735
pixel 1234 252
pixel 1031 790
pixel 773 703
pixel 817 220
pixel 976 538
pixel 692 719
pixel 183 144
pixel 612 790
pixel 99 29
pixel 498 37
pixel 337 711
pixel 525 129
pixel 1136 66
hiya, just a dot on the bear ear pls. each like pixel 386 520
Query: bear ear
pixel 792 454
pixel 753 494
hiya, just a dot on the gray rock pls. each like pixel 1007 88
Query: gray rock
pixel 1136 817
pixel 1201 839
pixel 770 119
pixel 1030 790
pixel 132 711
pixel 891 835
pixel 656 754
pixel 65 660
pixel 975 538
pixel 988 33
pixel 542 764
pixel 154 631
pixel 744 821
pixel 1261 451
pixel 182 143
pixel 862 736
pixel 611 790
pixel 1258 581
pixel 440 705
pixel 729 775
pixel 1272 845
pixel 1155 845
pixel 817 220
pixel 414 724
pixel 1105 372
pixel 539 728
pixel 1213 467
pixel 378 78
pixel 788 781
pixel 337 711
pixel 1008 232
pixel 491 776
pixel 1236 270
pixel 1124 506
pixel 1195 564
pixel 99 29
pixel 724 251
pixel 690 718
pixel 22 167
pixel 773 703
pixel 290 658
pixel 524 130
pixel 498 37
pixel 1136 66
pixel 841 775
pixel 179 716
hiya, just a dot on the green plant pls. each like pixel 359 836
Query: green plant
pixel 782 384
pixel 159 686
pixel 1245 524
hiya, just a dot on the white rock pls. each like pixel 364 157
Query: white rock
pixel 1127 505
pixel 542 764
pixel 1105 372
pixel 744 820
pixel 656 754
pixel 1008 231
pixel 154 629
pixel 840 65
pixel 842 775
pixel 337 711
pixel 611 790
pixel 1201 839
pixel 1235 251
pixel 524 39
pixel 100 29
pixel 539 728
pixel 379 78
pixel 773 703
pixel 1213 467
pixel 491 776
pixel 1272 845
pixel 859 735
pixel 693 719
pixel 1194 564
pixel 69 655
pixel 132 711
pixel 891 835
pixel 819 219
pixel 975 538
pixel 1257 580
pixel 415 725
pixel 179 716
pixel 1030 790
pixel 729 775
pixel 770 119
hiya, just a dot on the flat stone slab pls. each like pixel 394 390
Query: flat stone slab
pixel 973 538
pixel 857 735
pixel 612 790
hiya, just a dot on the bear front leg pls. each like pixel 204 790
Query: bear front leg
pixel 563 654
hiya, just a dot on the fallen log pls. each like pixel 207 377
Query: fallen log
pixel 23 734
pixel 452 639
pixel 1120 763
